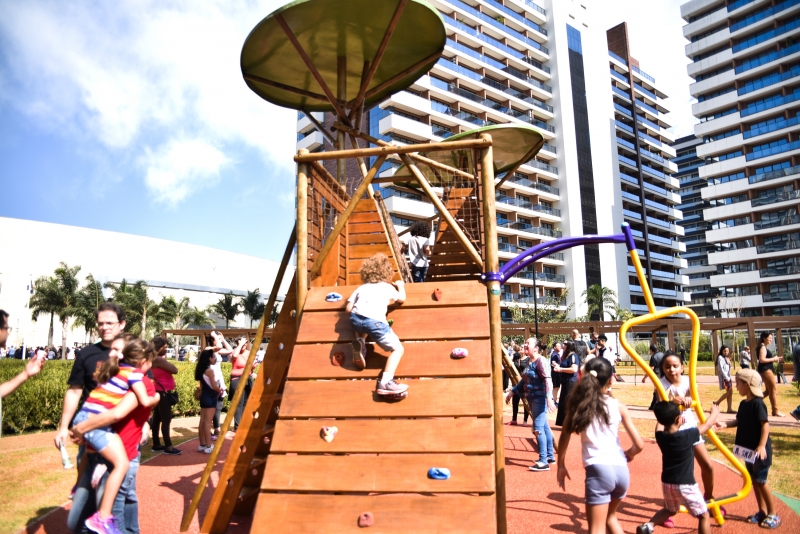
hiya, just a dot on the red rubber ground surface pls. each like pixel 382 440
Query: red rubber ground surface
pixel 535 503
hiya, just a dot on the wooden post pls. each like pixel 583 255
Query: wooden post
pixel 778 344
pixel 714 345
pixel 670 336
pixel 437 202
pixel 302 235
pixel 341 89
pixel 495 324
pixel 751 333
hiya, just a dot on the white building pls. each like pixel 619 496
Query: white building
pixel 535 62
pixel 32 249
pixel 746 67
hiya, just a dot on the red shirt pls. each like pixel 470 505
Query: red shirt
pixel 130 428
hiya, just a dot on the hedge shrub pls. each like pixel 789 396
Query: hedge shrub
pixel 37 403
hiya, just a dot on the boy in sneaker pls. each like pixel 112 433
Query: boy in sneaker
pixel 677 466
pixel 752 444
pixel 367 308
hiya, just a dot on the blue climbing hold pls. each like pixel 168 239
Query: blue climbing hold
pixel 439 473
pixel 333 297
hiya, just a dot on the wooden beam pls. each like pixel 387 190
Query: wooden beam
pixel 400 75
pixel 321 129
pixel 376 61
pixel 391 149
pixel 429 220
pixel 301 227
pixel 283 86
pixel 416 157
pixel 437 202
pixel 342 220
pixel 314 72
pixel 341 92
pixel 526 158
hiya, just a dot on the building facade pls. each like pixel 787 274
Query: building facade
pixel 698 272
pixel 746 67
pixel 648 190
pixel 520 62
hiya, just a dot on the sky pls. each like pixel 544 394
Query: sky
pixel 132 116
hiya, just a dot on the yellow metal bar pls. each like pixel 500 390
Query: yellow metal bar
pixel 648 297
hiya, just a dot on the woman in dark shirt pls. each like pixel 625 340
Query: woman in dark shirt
pixel 767 370
pixel 568 371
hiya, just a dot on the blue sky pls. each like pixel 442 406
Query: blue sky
pixel 132 116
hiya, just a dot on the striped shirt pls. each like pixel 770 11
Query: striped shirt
pixel 108 395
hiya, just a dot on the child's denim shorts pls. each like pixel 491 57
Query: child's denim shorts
pixel 380 332
pixel 759 472
pixel 99 438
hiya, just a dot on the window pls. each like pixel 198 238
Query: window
pixel 739 267
pixel 773 167
pixel 786 310
pixel 574 39
pixel 549 270
pixel 524 243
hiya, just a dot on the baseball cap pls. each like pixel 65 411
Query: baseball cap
pixel 752 379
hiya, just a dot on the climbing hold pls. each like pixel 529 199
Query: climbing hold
pixel 328 433
pixel 337 359
pixel 366 520
pixel 437 294
pixel 390 321
pixel 333 297
pixel 459 353
pixel 439 473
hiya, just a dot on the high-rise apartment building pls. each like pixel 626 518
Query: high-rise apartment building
pixel 543 64
pixel 648 191
pixel 746 67
pixel 698 272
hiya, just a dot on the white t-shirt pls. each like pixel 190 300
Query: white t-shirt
pixel 600 442
pixel 681 390
pixel 416 249
pixel 371 300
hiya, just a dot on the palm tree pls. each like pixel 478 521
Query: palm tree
pixel 197 318
pixel 599 300
pixel 181 315
pixel 89 298
pixel 61 296
pixel 227 307
pixel 137 305
pixel 45 301
pixel 252 305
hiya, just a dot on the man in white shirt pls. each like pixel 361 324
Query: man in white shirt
pixel 418 245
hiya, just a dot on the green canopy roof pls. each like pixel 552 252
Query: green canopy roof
pixel 328 29
pixel 510 144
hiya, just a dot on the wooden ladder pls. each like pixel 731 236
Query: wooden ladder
pixel 449 260
pixel 379 460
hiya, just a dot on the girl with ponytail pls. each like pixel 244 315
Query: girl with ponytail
pixel 129 360
pixel 594 414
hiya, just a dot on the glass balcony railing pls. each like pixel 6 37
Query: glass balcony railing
pixel 773 175
pixel 525 182
pixel 541 165
pixel 777 222
pixel 628 178
pixel 477 55
pixel 762 14
pixel 771 151
pixel 737 4
pixel 525 204
pixel 769 103
pixel 529 228
pixel 766 35
pixel 643 74
pixel 651 139
pixel 549 148
pixel 648 107
pixel 777 296
pixel 774 199
pixel 657 205
pixel 656 291
pixel 631 197
pixel 527 79
pixel 624 126
pixel 632 214
pixel 521 299
pixel 655 188
pixel 625 143
pixel 649 93
pixel 547 277
pixel 629 161
pixel 652 155
pixel 772 127
pixel 499 25
pixel 657 256
pixel 656 272
pixel 784 270
pixel 516 16
pixel 653 172
pixel 623 110
pixel 618 76
pixel 771 79
pixel 767 57
pixel 658 222
pixel 621 93
pixel 535 7
pixel 778 247
pixel 649 123
pixel 509 50
pixel 618 58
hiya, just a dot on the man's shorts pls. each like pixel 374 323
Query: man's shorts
pixel 606 482
pixel 688 495
pixel 380 332
pixel 99 438
pixel 758 471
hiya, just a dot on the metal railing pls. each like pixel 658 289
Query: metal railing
pixel 542 166
pixel 529 228
pixel 772 175
pixel 497 24
pixel 778 247
pixel 778 296
pixel 779 221
pixel 772 150
pixel 775 198
pixel 525 182
pixel 516 16
pixel 779 271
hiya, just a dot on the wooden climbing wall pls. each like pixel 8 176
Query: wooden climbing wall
pixel 449 260
pixel 366 236
pixel 378 461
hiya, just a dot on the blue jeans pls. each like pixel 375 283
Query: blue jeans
pixel 539 409
pixel 86 499
pixel 418 274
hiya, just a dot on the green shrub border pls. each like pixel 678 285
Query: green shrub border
pixel 37 404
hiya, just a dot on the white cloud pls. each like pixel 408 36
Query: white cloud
pixel 175 169
pixel 131 75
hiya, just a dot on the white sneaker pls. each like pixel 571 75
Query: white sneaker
pixel 208 450
pixel 201 448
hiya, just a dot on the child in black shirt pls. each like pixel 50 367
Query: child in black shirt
pixel 752 444
pixel 677 466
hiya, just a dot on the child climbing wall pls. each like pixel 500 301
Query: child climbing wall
pixel 367 308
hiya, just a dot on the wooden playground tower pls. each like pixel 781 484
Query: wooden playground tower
pixel 342 57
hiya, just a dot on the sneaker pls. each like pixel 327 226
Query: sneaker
pixel 756 518
pixel 513 423
pixel 551 460
pixel 771 521
pixel 173 451
pixel 540 466
pixel 208 450
pixel 393 387
pixel 796 414
pixel 102 526
pixel 669 523
pixel 646 528
pixel 359 353
pixel 97 474
pixel 157 448
pixel 214 437
pixel 201 448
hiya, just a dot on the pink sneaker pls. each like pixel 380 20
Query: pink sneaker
pixel 97 474
pixel 102 526
pixel 391 388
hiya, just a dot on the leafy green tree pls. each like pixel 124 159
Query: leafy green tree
pixel 44 302
pixel 181 314
pixel 252 305
pixel 89 298
pixel 227 307
pixel 137 305
pixel 196 318
pixel 60 296
pixel 599 300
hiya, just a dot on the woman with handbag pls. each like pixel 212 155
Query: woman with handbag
pixel 163 376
